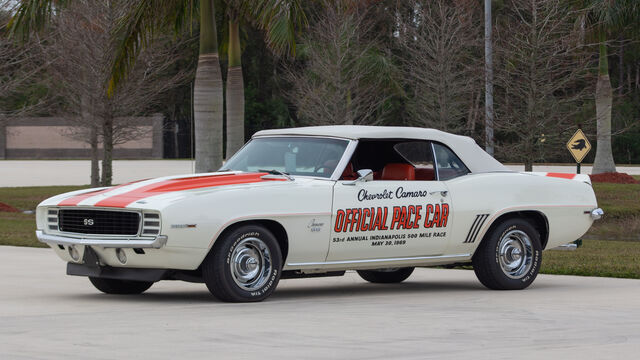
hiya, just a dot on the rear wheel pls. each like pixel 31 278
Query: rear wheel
pixel 120 287
pixel 243 266
pixel 510 257
pixel 386 276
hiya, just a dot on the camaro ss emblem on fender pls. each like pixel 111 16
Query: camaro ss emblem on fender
pixel 88 222
pixel 315 226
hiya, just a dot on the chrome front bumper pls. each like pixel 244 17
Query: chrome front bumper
pixel 156 243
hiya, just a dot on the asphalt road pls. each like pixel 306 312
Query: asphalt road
pixel 436 314
pixel 76 172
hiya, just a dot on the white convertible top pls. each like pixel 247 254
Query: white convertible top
pixel 476 159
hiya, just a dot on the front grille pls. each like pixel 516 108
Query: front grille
pixel 101 222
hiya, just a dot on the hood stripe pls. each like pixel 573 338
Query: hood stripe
pixel 75 200
pixel 167 186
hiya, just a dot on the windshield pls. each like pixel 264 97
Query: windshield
pixel 291 155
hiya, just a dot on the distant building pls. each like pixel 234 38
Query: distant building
pixel 48 138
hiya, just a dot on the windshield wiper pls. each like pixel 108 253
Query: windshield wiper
pixel 277 172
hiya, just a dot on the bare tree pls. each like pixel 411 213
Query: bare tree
pixel 18 70
pixel 442 67
pixel 540 82
pixel 345 78
pixel 81 55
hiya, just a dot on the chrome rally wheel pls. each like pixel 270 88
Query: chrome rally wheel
pixel 250 264
pixel 515 253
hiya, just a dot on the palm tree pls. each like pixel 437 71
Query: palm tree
pixel 279 18
pixel 607 16
pixel 136 31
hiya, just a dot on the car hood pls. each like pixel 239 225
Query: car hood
pixel 141 194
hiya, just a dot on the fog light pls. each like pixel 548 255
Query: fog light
pixel 122 257
pixel 73 252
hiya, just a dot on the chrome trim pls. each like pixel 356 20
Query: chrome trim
pixel 364 175
pixel 346 262
pixel 346 157
pixel 155 243
pixel 435 161
pixel 596 214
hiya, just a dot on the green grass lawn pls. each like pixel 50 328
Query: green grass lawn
pixel 611 248
pixel 18 229
pixel 621 205
pixel 595 258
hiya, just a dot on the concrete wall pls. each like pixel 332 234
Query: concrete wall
pixel 52 138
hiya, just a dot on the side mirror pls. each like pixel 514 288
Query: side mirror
pixel 364 175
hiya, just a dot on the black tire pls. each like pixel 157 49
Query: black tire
pixel 120 287
pixel 386 276
pixel 232 281
pixel 511 270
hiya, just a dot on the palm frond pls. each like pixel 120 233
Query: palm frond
pixel 136 30
pixel 32 15
pixel 280 19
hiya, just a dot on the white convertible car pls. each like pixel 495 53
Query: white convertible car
pixel 317 201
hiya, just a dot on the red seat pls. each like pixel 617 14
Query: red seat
pixel 348 173
pixel 398 172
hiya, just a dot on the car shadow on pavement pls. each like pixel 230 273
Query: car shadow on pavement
pixel 365 289
pixel 297 289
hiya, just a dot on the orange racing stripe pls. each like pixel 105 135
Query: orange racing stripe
pixel 122 200
pixel 75 200
pixel 562 175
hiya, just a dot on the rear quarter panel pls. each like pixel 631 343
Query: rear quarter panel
pixel 563 202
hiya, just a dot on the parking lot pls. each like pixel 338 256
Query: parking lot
pixel 435 314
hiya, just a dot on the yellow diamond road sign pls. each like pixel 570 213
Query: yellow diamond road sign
pixel 579 146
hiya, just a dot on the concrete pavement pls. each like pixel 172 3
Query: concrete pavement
pixel 436 314
pixel 76 172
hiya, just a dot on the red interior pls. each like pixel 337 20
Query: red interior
pixel 395 171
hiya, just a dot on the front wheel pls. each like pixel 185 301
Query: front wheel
pixel 386 276
pixel 244 265
pixel 120 287
pixel 510 257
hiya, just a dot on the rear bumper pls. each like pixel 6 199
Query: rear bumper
pixel 156 243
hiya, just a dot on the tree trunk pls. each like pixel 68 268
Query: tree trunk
pixel 107 156
pixel 620 70
pixel 488 71
pixel 95 161
pixel 235 93
pixel 207 97
pixel 604 156
pixel 528 165
pixel 93 140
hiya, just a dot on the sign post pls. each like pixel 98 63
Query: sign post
pixel 579 147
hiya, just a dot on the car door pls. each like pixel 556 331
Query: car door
pixel 404 212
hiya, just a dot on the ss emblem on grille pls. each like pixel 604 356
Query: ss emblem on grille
pixel 88 222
